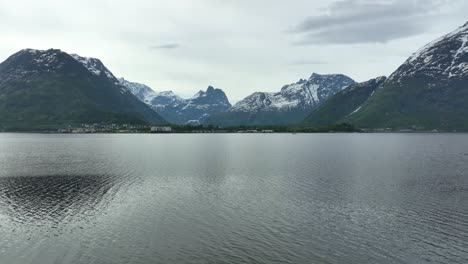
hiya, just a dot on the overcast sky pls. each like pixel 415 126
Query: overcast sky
pixel 240 46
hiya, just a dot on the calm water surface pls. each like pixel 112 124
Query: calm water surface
pixel 280 198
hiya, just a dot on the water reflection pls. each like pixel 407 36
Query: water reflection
pixel 53 198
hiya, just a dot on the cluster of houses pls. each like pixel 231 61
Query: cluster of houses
pixel 127 128
pixel 102 128
pixel 256 131
pixel 230 131
pixel 161 129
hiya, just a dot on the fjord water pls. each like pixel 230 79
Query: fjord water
pixel 234 198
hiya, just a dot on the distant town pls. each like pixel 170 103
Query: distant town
pixel 130 128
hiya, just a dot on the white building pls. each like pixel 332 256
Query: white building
pixel 161 129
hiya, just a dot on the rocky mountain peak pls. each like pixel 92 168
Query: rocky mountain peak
pixel 36 57
pixel 315 75
pixel 53 60
pixel 442 59
pixel 211 95
pixel 95 66
pixel 297 98
pixel 178 110
pixel 30 61
pixel 167 93
pixel 141 91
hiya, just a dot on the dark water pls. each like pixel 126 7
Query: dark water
pixel 332 198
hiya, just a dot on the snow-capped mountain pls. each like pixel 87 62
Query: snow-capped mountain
pixel 304 94
pixel 440 60
pixel 50 88
pixel 178 110
pixel 290 105
pixel 428 91
pixel 31 61
pixel 141 91
pixel 95 66
pixel 204 104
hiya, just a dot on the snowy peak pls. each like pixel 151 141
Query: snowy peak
pixel 177 110
pixel 288 106
pixel 141 91
pixel 169 94
pixel 204 104
pixel 148 95
pixel 95 66
pixel 428 91
pixel 54 60
pixel 376 82
pixel 165 98
pixel 30 61
pixel 255 102
pixel 50 53
pixel 199 94
pixel 34 52
pixel 211 96
pixel 442 59
pixel 329 79
pixel 304 94
pixel 209 92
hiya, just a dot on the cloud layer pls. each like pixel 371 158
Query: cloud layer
pixel 369 21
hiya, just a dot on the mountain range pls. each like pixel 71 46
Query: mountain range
pixel 181 111
pixel 43 89
pixel 288 106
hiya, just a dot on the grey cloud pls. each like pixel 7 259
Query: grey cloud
pixel 309 62
pixel 368 21
pixel 166 46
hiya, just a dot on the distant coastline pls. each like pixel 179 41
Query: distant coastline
pixel 201 129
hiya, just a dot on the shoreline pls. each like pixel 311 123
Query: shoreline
pixel 262 133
